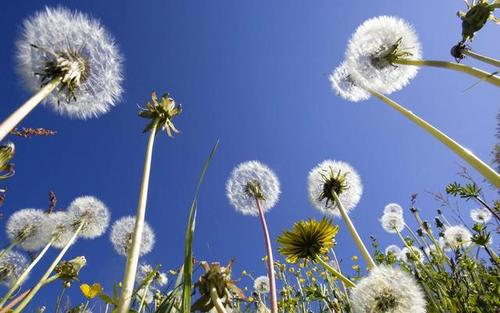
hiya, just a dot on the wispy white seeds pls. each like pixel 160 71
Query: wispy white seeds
pixel 481 215
pixel 147 295
pixel 59 226
pixel 395 250
pixel 26 227
pixel 55 31
pixel 257 174
pixel 411 254
pixel 393 208
pixel 457 236
pixel 392 222
pixel 388 289
pixel 261 284
pixel 345 87
pixel 92 212
pixel 122 232
pixel 12 265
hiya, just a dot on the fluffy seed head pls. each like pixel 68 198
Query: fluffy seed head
pixel 122 232
pixel 26 227
pixel 392 222
pixel 57 42
pixel 261 284
pixel 92 212
pixel 251 180
pixel 393 208
pixel 345 87
pixel 373 48
pixel 387 290
pixel 481 215
pixel 59 225
pixel 146 295
pixel 394 250
pixel 338 176
pixel 12 265
pixel 457 236
pixel 411 254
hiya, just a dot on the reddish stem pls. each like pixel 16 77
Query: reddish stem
pixel 14 302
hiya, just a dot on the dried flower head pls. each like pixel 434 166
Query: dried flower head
pixel 393 208
pixel 392 222
pixel 374 47
pixel 394 250
pixel 68 271
pixel 481 215
pixel 12 265
pixel 161 113
pixel 478 13
pixel 457 236
pixel 71 47
pixel 411 254
pixel 122 232
pixel 249 181
pixel 92 213
pixel 7 152
pixel 336 176
pixel 345 87
pixel 261 284
pixel 307 240
pixel 26 228
pixel 388 290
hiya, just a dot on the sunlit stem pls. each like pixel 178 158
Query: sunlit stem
pixel 423 244
pixel 216 301
pixel 26 272
pixel 11 122
pixel 462 152
pixel 483 75
pixel 133 252
pixel 481 58
pixel 336 273
pixel 354 233
pixel 144 294
pixel 16 300
pixel 45 278
pixel 270 260
pixel 337 265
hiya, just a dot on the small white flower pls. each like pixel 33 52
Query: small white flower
pixel 12 265
pixel 336 175
pixel 387 290
pixel 122 232
pixel 392 222
pixel 26 227
pixel 411 254
pixel 261 284
pixel 457 236
pixel 394 250
pixel 345 87
pixel 481 215
pixel 371 47
pixel 92 212
pixel 250 180
pixel 393 208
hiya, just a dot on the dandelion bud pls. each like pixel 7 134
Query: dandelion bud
pixel 68 271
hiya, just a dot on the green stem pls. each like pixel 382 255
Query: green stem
pixel 337 274
pixel 347 220
pixel 337 265
pixel 143 298
pixel 481 58
pixel 462 152
pixel 483 75
pixel 59 299
pixel 216 300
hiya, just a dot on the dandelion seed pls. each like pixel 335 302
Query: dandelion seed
pixel 261 284
pixel 345 87
pixel 121 236
pixel 388 290
pixel 457 237
pixel 392 222
pixel 411 253
pixel 12 265
pixel 394 250
pixel 393 208
pixel 92 213
pixel 481 215
pixel 58 225
pixel 25 227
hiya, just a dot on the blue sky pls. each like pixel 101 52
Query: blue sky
pixel 255 75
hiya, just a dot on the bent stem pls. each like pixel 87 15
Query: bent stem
pixel 270 261
pixel 336 273
pixel 462 152
pixel 45 278
pixel 133 252
pixel 11 122
pixel 357 239
pixel 216 300
pixel 481 57
pixel 25 274
pixel 483 75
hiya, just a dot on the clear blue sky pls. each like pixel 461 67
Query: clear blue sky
pixel 255 75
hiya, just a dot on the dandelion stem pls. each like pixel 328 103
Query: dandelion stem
pixel 144 295
pixel 26 272
pixel 216 300
pixel 8 307
pixel 339 275
pixel 483 75
pixel 59 299
pixel 270 260
pixel 11 122
pixel 465 154
pixel 481 57
pixel 133 252
pixel 45 278
pixel 350 226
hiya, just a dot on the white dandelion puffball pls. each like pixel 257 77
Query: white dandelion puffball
pixel 444 245
pixel 12 265
pixel 372 46
pixel 395 250
pixel 27 228
pixel 122 232
pixel 146 295
pixel 392 222
pixel 340 176
pixel 58 39
pixel 387 290
pixel 457 236
pixel 393 208
pixel 59 226
pixel 411 253
pixel 92 212
pixel 481 215
pixel 345 87
pixel 261 284
pixel 248 181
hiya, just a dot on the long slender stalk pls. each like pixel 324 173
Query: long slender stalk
pixel 45 278
pixel 270 261
pixel 483 75
pixel 11 122
pixel 337 265
pixel 462 152
pixel 480 57
pixel 143 298
pixel 133 253
pixel 26 272
pixel 16 300
pixel 350 226
pixel 216 300
pixel 337 274
pixel 59 299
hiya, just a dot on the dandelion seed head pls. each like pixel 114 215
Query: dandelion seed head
pixel 58 225
pixel 411 253
pixel 26 227
pixel 457 236
pixel 145 294
pixel 251 180
pixel 58 39
pixel 92 212
pixel 336 175
pixel 481 215
pixel 372 47
pixel 122 232
pixel 392 222
pixel 393 208
pixel 345 87
pixel 261 284
pixel 387 290
pixel 12 265
pixel 394 250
